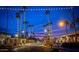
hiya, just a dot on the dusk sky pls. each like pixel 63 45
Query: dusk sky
pixel 38 18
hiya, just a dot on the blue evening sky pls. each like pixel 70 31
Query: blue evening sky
pixel 37 18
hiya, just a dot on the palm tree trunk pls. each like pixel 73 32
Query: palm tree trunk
pixel 24 24
pixel 7 23
pixel 74 25
pixel 75 33
pixel 66 30
pixel 17 28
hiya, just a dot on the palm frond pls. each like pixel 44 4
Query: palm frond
pixel 18 15
pixel 77 20
pixel 66 22
pixel 47 12
pixel 24 7
pixel 25 22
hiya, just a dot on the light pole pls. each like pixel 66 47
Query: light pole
pixel 66 23
pixel 30 26
pixel 47 12
pixel 23 33
pixel 63 23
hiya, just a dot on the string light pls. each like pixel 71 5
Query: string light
pixel 35 9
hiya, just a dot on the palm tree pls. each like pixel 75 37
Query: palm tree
pixel 18 22
pixel 47 13
pixel 77 20
pixel 74 24
pixel 21 12
pixel 25 22
pixel 66 23
pixel 18 16
pixel 7 23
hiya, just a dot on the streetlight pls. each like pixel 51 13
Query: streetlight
pixel 16 35
pixel 61 23
pixel 23 31
pixel 45 30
